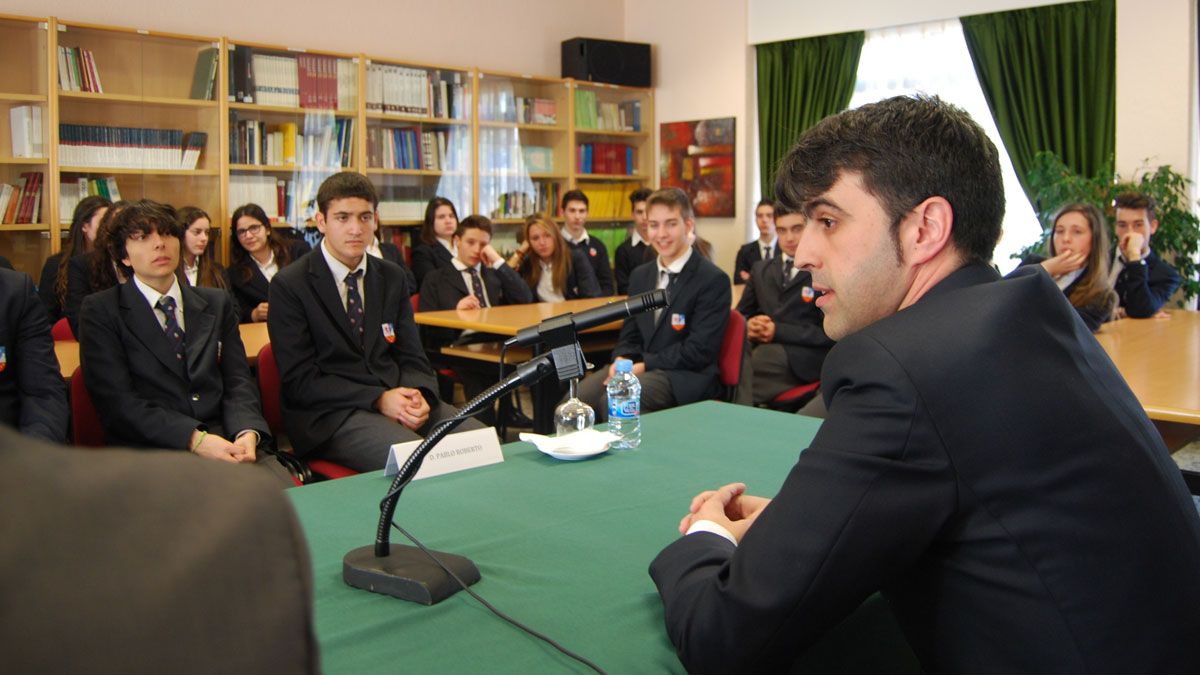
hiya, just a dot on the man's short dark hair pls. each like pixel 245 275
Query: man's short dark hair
pixel 345 185
pixel 907 149
pixel 675 198
pixel 765 202
pixel 639 195
pixel 574 196
pixel 781 209
pixel 144 216
pixel 473 223
pixel 1137 201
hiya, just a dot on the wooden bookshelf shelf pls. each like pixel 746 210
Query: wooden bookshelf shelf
pixel 611 133
pixel 401 223
pixel 131 98
pixel 415 172
pixel 22 98
pixel 521 125
pixel 138 172
pixel 25 227
pixel 533 175
pixel 637 177
pixel 285 110
pixel 285 168
pixel 25 161
pixel 417 119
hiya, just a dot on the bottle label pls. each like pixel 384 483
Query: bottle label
pixel 627 409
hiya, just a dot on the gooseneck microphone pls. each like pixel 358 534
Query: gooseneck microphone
pixel 597 316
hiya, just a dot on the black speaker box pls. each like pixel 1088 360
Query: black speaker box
pixel 609 61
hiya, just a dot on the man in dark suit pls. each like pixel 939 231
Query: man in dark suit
pixel 355 378
pixel 636 248
pixel 163 361
pixel 575 212
pixel 148 562
pixel 945 475
pixel 763 248
pixel 675 349
pixel 1144 282
pixel 783 322
pixel 33 398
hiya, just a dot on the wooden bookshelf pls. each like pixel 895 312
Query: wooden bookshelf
pixel 24 83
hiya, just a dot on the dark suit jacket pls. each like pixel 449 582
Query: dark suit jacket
pixel 1144 289
pixel 391 253
pixel 1093 315
pixel 191 566
pixel 33 398
pixel 626 258
pixel 1006 538
pixel 5 263
pixel 144 395
pixel 701 297
pixel 747 255
pixel 581 279
pixel 427 258
pixel 445 287
pixel 79 286
pixel 327 374
pixel 798 322
pixel 596 253
pixel 255 291
pixel 46 291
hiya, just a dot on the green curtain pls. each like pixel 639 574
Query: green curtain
pixel 800 82
pixel 1049 76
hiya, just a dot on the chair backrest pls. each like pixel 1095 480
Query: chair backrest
pixel 61 331
pixel 416 301
pixel 86 429
pixel 733 344
pixel 269 384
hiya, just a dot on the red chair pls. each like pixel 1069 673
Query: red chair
pixel 792 399
pixel 86 429
pixel 733 354
pixel 269 384
pixel 61 331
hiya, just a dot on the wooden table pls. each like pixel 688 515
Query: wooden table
pixel 1160 360
pixel 254 337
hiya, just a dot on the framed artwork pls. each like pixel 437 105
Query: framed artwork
pixel 697 157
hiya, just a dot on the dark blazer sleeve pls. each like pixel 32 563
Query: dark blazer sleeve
pixel 109 380
pixel 41 394
pixel 1144 289
pixel 425 260
pixel 241 407
pixel 707 328
pixel 863 501
pixel 623 264
pixel 391 253
pixel 630 340
pixel 46 290
pixel 79 286
pixel 604 273
pixel 745 260
pixel 586 284
pixel 437 293
pixel 513 287
pixel 748 305
pixel 245 295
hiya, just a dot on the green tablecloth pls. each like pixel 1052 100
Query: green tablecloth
pixel 562 546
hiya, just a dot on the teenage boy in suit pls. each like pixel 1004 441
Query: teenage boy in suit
pixel 163 361
pixel 575 212
pixel 1144 282
pixel 674 349
pixel 636 248
pixel 33 399
pixel 355 378
pixel 763 248
pixel 946 475
pixel 783 322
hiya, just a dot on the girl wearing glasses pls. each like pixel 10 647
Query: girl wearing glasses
pixel 256 253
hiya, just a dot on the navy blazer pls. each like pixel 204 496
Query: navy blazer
pixel 1093 315
pixel 749 254
pixel 327 373
pixel 46 290
pixel 1144 289
pixel 596 253
pixel 33 398
pixel 628 257
pixel 445 287
pixel 798 321
pixel 250 287
pixel 391 253
pixel 986 467
pixel 427 258
pixel 145 396
pixel 685 341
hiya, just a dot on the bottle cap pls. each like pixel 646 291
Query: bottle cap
pixel 624 366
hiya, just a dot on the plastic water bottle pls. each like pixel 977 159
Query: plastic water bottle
pixel 625 406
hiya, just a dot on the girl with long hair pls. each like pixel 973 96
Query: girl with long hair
pixel 256 253
pixel 554 270
pixel 80 238
pixel 1079 262
pixel 435 244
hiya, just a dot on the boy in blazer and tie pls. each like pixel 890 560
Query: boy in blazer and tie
pixel 355 378
pixel 33 399
pixel 636 248
pixel 674 349
pixel 163 361
pixel 783 321
pixel 765 247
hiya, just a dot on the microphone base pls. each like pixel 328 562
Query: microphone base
pixel 407 573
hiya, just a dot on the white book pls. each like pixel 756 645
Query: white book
pixel 64 71
pixel 6 196
pixel 21 126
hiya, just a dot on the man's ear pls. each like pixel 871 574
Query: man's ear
pixel 929 231
pixel 1153 226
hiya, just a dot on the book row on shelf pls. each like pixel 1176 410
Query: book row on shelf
pixel 501 150
pixel 591 113
pixel 25 126
pixel 313 81
pixel 129 147
pixel 289 200
pixel 538 197
pixel 77 70
pixel 498 103
pixel 21 202
pixel 327 142
pixel 414 148
pixel 398 90
pixel 605 158
pixel 71 192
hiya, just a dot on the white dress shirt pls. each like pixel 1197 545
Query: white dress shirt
pixel 268 268
pixel 545 288
pixel 152 296
pixel 340 271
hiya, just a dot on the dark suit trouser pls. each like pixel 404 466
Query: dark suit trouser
pixel 772 373
pixel 656 392
pixel 364 440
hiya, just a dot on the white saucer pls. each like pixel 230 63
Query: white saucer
pixel 574 446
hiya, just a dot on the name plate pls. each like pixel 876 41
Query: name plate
pixel 456 452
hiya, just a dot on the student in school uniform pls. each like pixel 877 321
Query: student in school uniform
pixel 636 248
pixel 674 349
pixel 1144 282
pixel 763 248
pixel 257 254
pixel 355 378
pixel 552 269
pixel 85 221
pixel 783 323
pixel 33 398
pixel 1078 262
pixel 478 278
pixel 198 260
pixel 575 211
pixel 92 272
pixel 391 253
pixel 435 245
pixel 163 360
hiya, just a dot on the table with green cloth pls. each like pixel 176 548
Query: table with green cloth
pixel 563 547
